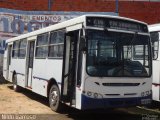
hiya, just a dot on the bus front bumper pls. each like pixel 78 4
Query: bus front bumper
pixel 92 103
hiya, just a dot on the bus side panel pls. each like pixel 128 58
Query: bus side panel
pixel 156 93
pixel 5 65
pixel 156 80
pixel 39 86
pixel 10 73
pixel 18 65
pixel 43 71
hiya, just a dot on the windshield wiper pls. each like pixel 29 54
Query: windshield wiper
pixel 133 39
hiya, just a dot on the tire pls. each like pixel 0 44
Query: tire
pixel 54 99
pixel 15 86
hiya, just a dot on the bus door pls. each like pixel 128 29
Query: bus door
pixel 30 58
pixel 70 67
pixel 8 61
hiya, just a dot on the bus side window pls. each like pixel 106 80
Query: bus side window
pixel 22 48
pixel 155 44
pixel 56 44
pixel 6 45
pixel 42 46
pixel 15 49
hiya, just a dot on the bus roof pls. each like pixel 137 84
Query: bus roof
pixel 68 23
pixel 154 27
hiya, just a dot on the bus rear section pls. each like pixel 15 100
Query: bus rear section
pixel 89 62
pixel 155 36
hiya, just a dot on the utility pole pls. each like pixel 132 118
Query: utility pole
pixel 117 6
pixel 50 2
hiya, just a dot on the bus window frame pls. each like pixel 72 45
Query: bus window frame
pixel 23 48
pixel 55 44
pixel 115 30
pixel 46 45
pixel 15 49
pixel 134 52
pixel 157 46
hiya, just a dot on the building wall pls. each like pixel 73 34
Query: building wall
pixel 29 5
pixel 140 10
pixel 146 11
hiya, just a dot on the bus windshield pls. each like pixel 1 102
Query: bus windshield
pixel 113 54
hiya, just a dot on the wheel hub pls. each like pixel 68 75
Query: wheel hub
pixel 54 97
pixel 14 86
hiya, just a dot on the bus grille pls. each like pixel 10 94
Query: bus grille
pixel 120 84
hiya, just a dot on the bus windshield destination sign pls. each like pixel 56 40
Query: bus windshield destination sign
pixel 116 24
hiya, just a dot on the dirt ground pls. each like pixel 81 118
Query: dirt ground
pixel 25 104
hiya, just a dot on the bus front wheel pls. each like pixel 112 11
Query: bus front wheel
pixel 54 99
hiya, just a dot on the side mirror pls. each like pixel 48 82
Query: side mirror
pixel 154 37
pixel 83 44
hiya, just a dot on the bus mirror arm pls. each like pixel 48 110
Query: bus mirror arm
pixel 66 75
pixel 69 72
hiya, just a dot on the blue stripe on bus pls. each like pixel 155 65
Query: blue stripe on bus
pixel 92 103
pixel 58 82
pixel 44 79
pixel 37 77
pixel 40 78
pixel 20 74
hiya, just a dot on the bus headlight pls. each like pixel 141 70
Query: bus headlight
pixel 93 95
pixel 89 93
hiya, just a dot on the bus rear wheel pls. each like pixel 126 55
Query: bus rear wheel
pixel 54 99
pixel 15 86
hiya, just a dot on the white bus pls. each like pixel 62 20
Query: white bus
pixel 155 37
pixel 88 62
